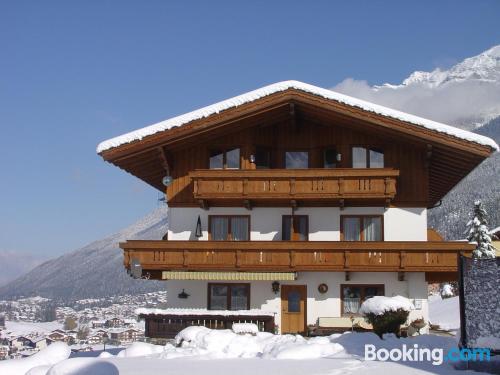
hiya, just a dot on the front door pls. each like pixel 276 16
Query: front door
pixel 293 308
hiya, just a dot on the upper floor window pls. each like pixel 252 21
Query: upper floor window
pixel 262 158
pixel 361 228
pixel 229 228
pixel 295 228
pixel 296 159
pixel 330 158
pixel 225 159
pixel 363 157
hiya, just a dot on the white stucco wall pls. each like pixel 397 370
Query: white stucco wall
pixel 318 305
pixel 400 224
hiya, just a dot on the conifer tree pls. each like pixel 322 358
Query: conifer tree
pixel 478 233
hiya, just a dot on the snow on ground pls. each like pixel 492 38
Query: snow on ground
pixel 445 313
pixel 216 352
pixel 39 363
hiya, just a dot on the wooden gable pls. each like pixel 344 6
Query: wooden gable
pixel 430 163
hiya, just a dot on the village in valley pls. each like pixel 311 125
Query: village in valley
pixel 28 325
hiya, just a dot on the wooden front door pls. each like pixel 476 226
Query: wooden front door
pixel 293 308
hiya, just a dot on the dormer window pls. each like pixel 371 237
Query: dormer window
pixel 330 158
pixel 367 157
pixel 225 159
pixel 296 159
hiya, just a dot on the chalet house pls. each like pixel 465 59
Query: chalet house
pixel 114 323
pixel 124 335
pixel 58 335
pixel 95 339
pixel 293 203
pixel 32 342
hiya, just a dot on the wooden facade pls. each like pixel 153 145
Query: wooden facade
pixel 286 256
pixel 430 162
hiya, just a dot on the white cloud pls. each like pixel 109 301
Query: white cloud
pixel 460 103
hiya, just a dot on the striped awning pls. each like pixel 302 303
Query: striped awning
pixel 229 276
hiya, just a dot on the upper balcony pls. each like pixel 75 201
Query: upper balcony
pixel 292 185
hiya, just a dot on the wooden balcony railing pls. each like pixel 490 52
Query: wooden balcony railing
pixel 157 256
pixel 294 184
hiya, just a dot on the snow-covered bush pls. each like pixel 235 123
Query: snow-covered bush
pixel 386 314
pixel 446 291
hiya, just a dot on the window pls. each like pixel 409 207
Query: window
pixel 225 159
pixel 228 296
pixel 295 228
pixel 262 158
pixel 361 228
pixel 354 295
pixel 329 158
pixel 363 157
pixel 229 228
pixel 296 160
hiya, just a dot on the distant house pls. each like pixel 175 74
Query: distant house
pixel 98 323
pixel 114 323
pixel 124 335
pixel 2 321
pixel 94 339
pixel 495 236
pixel 57 336
pixel 34 342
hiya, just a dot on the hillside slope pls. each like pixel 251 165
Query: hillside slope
pixel 95 270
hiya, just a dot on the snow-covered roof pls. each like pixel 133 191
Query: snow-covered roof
pixel 282 86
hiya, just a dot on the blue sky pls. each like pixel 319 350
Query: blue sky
pixel 75 73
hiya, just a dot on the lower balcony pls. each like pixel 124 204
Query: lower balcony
pixel 156 259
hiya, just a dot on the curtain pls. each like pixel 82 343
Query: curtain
pixel 286 234
pixel 239 297
pixel 376 158
pixel 301 227
pixel 351 228
pixel 219 228
pixel 233 159
pixel 351 305
pixel 296 160
pixel 218 297
pixel 359 157
pixel 239 228
pixel 373 228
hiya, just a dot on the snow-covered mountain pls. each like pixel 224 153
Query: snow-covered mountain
pixel 466 95
pixel 95 270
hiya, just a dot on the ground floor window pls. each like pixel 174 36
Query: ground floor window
pixel 226 296
pixel 353 295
